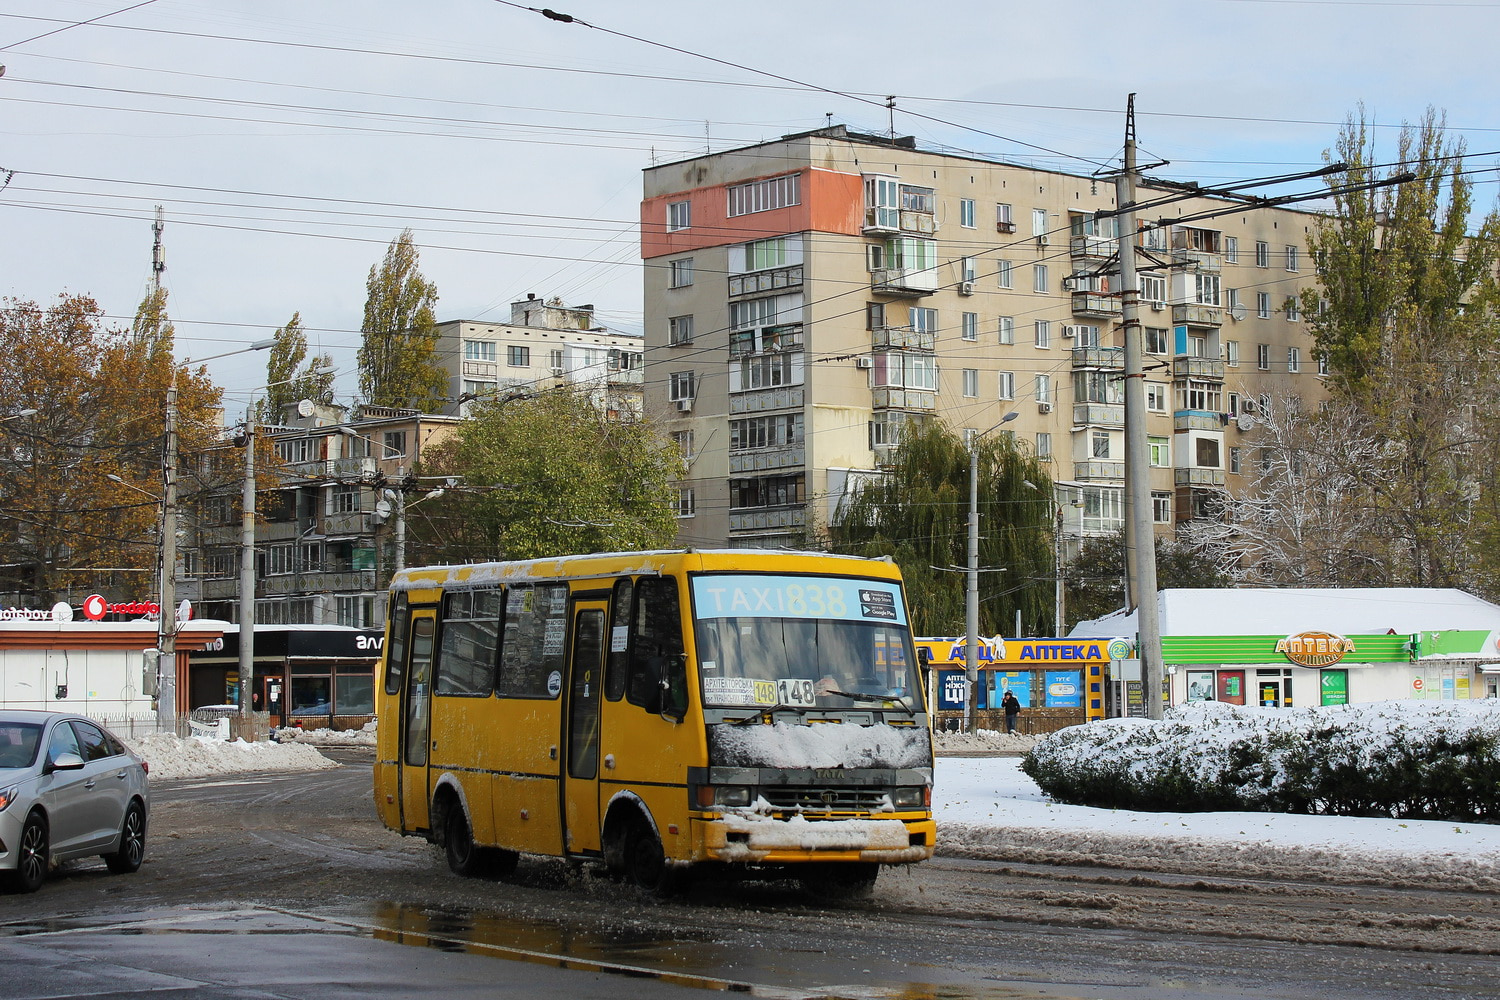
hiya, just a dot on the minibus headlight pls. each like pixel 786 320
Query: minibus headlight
pixel 732 795
pixel 908 798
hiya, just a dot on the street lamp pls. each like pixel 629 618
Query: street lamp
pixel 971 589
pixel 166 697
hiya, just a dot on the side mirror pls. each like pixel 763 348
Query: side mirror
pixel 65 762
pixel 673 684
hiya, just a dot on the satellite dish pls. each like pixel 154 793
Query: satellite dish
pixel 1238 311
pixel 382 511
pixel 304 407
pixel 1244 421
pixel 185 611
pixel 62 611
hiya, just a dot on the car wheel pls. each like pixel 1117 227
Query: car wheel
pixel 458 843
pixel 32 856
pixel 132 842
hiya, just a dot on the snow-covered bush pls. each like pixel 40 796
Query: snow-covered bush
pixel 1409 760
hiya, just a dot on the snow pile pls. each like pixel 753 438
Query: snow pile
pixel 195 757
pixel 327 737
pixel 825 745
pixel 1403 759
pixel 983 741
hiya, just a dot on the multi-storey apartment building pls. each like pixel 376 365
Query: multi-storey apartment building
pixel 807 298
pixel 329 522
pixel 545 345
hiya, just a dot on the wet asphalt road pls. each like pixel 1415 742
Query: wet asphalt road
pixel 286 886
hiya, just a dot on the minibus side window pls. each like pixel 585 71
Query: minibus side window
pixel 395 646
pixel 617 672
pixel 531 652
pixel 656 648
pixel 470 642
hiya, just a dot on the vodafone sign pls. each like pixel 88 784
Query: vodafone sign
pixel 96 607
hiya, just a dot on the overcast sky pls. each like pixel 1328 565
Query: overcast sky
pixel 289 142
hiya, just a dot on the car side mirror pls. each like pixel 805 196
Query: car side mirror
pixel 65 762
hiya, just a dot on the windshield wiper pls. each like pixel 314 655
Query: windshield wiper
pixel 862 696
pixel 766 712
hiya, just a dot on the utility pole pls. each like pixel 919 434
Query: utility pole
pixel 247 577
pixel 971 597
pixel 1140 535
pixel 166 664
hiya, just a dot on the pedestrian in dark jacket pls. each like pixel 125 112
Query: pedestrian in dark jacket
pixel 1012 707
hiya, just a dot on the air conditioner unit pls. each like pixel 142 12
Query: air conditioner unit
pixel 685 405
pixel 557 369
pixel 1069 331
pixel 1043 240
pixel 1005 227
pixel 1158 306
pixel 864 362
pixel 1044 407
pixel 966 288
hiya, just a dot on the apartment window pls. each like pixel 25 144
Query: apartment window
pixel 555 360
pixel 1039 223
pixel 904 370
pixel 518 356
pixel 1322 364
pixel 479 350
pixel 1161 452
pixel 1232 353
pixel 679 215
pixel 1294 359
pixel 684 442
pixel 1207 453
pixel 346 499
pixel 1262 253
pixel 1156 397
pixel 1007 329
pixel 1263 305
pixel 1263 357
pixel 767 491
pixel 763 254
pixel 917 199
pixel 966 213
pixel 1043 444
pixel 778 431
pixel 1231 249
pixel 687 502
pixel 1292 262
pixel 1206 287
pixel 682 386
pixel 966 269
pixel 1293 310
pixel 1044 388
pixel 1043 330
pixel 1002 271
pixel 1007 385
pixel 923 320
pixel 1099 444
pixel 1098 387
pixel 1195 394
pixel 394 443
pixel 1231 299
pixel 970 326
pixel 1153 289
pixel 1103 508
pixel 1004 221
pixel 680 330
pixel 971 383
pixel 1236 460
pixel 1039 278
pixel 1154 238
pixel 1232 404
pixel 1161 508
pixel 1157 340
pixel 680 273
pixel 763 196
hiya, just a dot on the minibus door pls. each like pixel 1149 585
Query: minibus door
pixel 581 769
pixel 416 721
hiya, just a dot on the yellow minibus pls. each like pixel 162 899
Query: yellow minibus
pixel 658 712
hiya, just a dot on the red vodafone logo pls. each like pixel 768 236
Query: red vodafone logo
pixel 96 607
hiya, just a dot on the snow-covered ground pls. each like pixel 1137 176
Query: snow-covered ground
pixel 986 807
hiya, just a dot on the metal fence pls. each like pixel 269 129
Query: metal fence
pixel 214 722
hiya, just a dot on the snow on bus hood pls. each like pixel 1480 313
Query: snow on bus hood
pixel 821 745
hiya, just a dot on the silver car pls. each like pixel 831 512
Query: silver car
pixel 68 789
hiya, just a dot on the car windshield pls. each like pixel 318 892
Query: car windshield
pixel 18 743
pixel 803 643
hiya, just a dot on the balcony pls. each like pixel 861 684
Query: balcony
pixel 767 459
pixel 1193 314
pixel 1098 357
pixel 1203 260
pixel 1198 477
pixel 1092 247
pixel 1096 305
pixel 761 400
pixel 765 281
pixel 1099 414
pixel 903 399
pixel 351 523
pixel 1099 469
pixel 1198 420
pixel 902 338
pixel 905 282
pixel 784 517
pixel 1198 368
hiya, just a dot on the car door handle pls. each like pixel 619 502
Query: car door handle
pixel 120 775
pixel 89 783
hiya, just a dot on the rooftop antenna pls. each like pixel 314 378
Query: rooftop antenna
pixel 158 252
pixel 890 107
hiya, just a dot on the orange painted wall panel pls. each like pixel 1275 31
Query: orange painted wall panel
pixel 831 202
